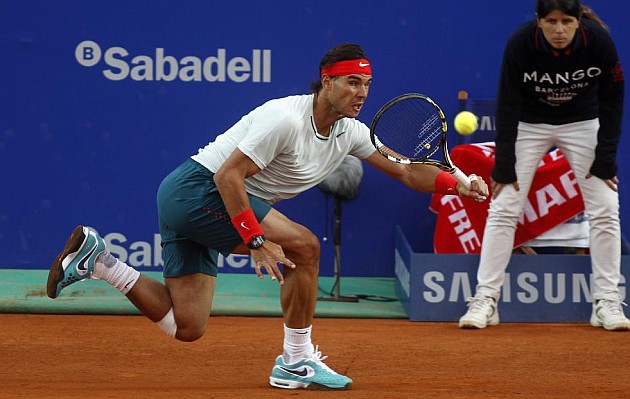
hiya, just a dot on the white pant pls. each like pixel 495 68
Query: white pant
pixel 577 142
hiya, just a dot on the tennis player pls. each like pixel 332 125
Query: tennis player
pixel 561 85
pixel 220 201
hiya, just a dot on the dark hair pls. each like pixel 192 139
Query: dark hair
pixel 569 7
pixel 342 52
pixel 588 13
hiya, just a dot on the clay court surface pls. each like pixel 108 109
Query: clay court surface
pixel 85 356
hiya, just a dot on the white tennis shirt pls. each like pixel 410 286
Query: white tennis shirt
pixel 281 138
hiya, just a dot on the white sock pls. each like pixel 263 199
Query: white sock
pixel 118 274
pixel 297 344
pixel 167 324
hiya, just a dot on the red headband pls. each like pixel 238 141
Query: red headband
pixel 340 68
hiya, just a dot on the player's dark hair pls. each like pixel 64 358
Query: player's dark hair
pixel 569 7
pixel 342 52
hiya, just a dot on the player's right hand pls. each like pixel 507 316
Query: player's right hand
pixel 478 190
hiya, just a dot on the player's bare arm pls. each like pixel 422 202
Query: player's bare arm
pixel 230 180
pixel 420 177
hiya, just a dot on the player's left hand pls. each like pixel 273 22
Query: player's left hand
pixel 478 190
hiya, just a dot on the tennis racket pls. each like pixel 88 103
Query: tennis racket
pixel 410 129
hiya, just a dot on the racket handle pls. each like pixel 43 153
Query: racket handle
pixel 461 177
pixel 465 180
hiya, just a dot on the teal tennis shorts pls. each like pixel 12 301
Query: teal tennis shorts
pixel 194 224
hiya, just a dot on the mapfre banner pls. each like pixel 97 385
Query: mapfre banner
pixel 553 198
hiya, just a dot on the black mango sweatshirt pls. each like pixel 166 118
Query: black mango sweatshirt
pixel 539 84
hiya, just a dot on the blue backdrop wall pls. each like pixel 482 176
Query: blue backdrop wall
pixel 93 115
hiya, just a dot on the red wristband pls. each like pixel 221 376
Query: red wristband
pixel 247 225
pixel 445 184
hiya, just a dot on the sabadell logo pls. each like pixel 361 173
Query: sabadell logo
pixel 160 66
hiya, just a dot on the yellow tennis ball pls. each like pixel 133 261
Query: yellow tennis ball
pixel 466 123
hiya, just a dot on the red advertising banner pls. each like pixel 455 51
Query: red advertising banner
pixel 553 199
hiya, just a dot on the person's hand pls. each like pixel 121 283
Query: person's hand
pixel 478 190
pixel 497 187
pixel 269 257
pixel 611 183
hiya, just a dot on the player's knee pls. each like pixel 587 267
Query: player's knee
pixel 305 253
pixel 191 330
pixel 311 246
pixel 189 334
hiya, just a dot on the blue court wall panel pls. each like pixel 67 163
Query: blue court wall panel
pixel 100 100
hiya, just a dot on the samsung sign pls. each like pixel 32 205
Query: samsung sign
pixel 160 66
pixel 537 288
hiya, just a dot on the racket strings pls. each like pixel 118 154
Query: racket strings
pixel 430 134
pixel 411 128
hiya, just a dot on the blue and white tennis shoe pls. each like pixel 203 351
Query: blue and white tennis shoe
pixel 308 373
pixel 76 261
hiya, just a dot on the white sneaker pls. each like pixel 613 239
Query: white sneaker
pixel 482 312
pixel 608 313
